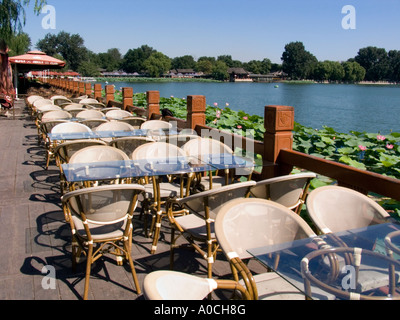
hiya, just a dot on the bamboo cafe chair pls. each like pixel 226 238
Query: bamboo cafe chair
pixel 96 154
pixel 63 127
pixel 289 190
pixel 158 188
pixel 174 285
pixel 135 122
pixel 43 122
pixel 335 209
pixel 129 144
pixel 204 149
pixel 101 223
pixel 63 153
pixel 197 225
pixel 244 224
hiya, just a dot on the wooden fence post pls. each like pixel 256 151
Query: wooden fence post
pixel 110 90
pixel 153 103
pixel 75 87
pixel 81 88
pixel 88 89
pixel 279 124
pixel 127 97
pixel 97 91
pixel 196 111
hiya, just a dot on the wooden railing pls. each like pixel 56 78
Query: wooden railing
pixel 276 150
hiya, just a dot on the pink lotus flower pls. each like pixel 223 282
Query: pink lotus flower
pixel 389 146
pixel 245 118
pixel 380 137
pixel 215 104
pixel 239 126
pixel 362 148
pixel 218 114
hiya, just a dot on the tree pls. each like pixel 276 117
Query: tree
pixel 71 47
pixel 328 70
pixel 134 59
pixel 157 64
pixel 48 44
pixel 19 44
pixel 89 69
pixel 353 72
pixel 205 64
pixel 184 62
pixel 12 16
pixel 297 62
pixel 258 67
pixel 110 60
pixel 375 61
pixel 394 62
pixel 227 59
pixel 91 66
pixel 220 71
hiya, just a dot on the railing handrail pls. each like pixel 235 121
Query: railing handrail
pixel 361 180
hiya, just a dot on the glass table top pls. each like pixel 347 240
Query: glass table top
pixel 109 134
pixel 285 259
pixel 75 172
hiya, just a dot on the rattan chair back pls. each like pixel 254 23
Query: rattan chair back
pixel 334 209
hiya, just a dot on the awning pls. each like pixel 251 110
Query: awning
pixel 33 60
pixel 36 60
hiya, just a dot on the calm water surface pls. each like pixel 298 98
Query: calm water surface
pixel 370 108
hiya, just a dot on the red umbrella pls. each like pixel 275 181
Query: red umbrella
pixel 71 73
pixel 33 60
pixel 36 60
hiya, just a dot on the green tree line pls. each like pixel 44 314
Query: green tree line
pixel 370 64
pixel 142 60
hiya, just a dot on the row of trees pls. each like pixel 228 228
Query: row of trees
pixel 370 64
pixel 144 59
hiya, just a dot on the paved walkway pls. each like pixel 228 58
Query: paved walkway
pixel 33 232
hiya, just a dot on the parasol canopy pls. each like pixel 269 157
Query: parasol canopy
pixel 36 60
pixel 33 60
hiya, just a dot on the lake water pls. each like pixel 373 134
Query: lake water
pixel 344 107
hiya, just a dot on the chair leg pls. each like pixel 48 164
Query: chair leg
pixel 76 251
pixel 210 260
pixel 88 269
pixel 172 249
pixel 156 235
pixel 153 223
pixel 134 275
pixel 48 160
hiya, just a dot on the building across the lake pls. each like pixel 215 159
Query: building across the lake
pixel 183 73
pixel 239 75
pixel 270 77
